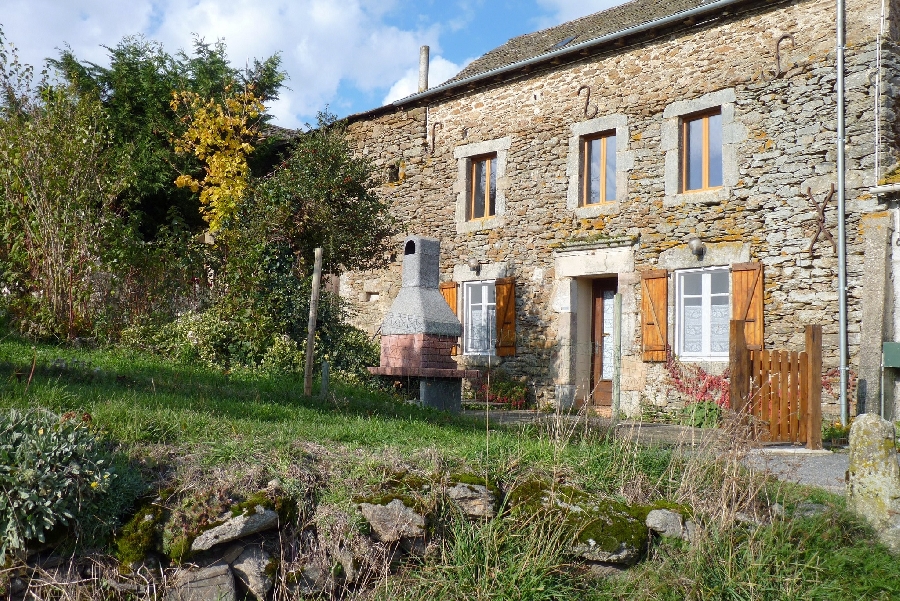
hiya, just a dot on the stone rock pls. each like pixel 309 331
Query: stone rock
pixel 873 478
pixel 605 570
pixel 17 585
pixel 692 531
pixel 215 583
pixel 808 510
pixel 608 533
pixel 250 569
pixel 311 580
pixel 624 554
pixel 475 500
pixel 414 546
pixel 393 521
pixel 666 523
pixel 237 527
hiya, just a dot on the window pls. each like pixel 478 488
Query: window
pixel 482 187
pixel 703 314
pixel 702 152
pixel 598 175
pixel 480 318
pixel 597 166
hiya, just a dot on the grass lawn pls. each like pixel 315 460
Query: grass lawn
pixel 197 428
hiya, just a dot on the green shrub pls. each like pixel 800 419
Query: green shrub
pixel 52 471
pixel 701 415
pixel 497 387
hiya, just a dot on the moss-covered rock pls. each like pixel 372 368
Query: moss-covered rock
pixel 141 536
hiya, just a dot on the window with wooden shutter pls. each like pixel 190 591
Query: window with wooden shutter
pixel 449 292
pixel 654 314
pixel 747 301
pixel 506 316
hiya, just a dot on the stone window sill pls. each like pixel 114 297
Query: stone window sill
pixel 706 197
pixel 477 225
pixel 595 210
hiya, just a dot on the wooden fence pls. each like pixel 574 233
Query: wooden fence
pixel 781 389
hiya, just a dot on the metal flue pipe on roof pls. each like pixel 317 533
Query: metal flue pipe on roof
pixel 423 68
pixel 842 224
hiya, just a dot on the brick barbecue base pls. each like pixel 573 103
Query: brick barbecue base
pixel 417 351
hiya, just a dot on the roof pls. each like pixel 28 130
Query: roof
pixel 580 30
pixel 578 37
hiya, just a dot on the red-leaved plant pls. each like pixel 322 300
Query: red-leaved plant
pixel 695 383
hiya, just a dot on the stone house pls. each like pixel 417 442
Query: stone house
pixel 661 150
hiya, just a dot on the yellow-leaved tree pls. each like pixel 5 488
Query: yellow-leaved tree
pixel 221 135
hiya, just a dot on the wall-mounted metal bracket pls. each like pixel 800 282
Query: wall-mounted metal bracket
pixel 820 219
pixel 587 103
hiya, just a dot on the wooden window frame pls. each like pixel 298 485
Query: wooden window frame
pixel 487 159
pixel 685 151
pixel 584 195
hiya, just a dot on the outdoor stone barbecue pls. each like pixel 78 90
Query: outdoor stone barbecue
pixel 419 331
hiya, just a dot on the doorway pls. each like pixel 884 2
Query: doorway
pixel 603 292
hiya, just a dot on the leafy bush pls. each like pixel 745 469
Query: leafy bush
pixel 701 415
pixel 52 471
pixel 498 388
pixel 835 432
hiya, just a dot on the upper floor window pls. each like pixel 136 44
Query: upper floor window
pixel 482 190
pixel 598 176
pixel 702 152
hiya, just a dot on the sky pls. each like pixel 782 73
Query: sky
pixel 348 55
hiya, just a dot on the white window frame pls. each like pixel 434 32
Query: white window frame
pixel 706 304
pixel 467 319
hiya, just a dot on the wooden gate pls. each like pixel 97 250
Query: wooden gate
pixel 781 389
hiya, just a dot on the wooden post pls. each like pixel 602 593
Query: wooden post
pixel 814 415
pixel 311 331
pixel 739 366
pixel 323 385
pixel 617 356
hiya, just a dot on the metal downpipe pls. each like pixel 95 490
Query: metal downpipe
pixel 842 226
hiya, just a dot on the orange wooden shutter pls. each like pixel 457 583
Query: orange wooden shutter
pixel 448 291
pixel 747 301
pixel 506 316
pixel 654 314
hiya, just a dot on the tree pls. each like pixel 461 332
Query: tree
pixel 321 195
pixel 136 91
pixel 221 135
pixel 59 181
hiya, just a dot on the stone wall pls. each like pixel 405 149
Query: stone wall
pixel 781 140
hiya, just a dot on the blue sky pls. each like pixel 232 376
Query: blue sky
pixel 351 55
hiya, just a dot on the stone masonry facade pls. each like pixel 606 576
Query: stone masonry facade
pixel 779 133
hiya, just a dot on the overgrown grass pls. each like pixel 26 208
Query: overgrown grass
pixel 227 418
pixel 242 427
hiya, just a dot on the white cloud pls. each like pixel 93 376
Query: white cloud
pixel 567 10
pixel 324 44
pixel 439 71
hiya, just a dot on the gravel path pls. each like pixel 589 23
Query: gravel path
pixel 814 468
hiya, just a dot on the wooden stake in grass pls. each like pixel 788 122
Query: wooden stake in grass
pixel 311 332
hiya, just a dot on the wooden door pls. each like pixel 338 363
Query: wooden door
pixel 604 290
